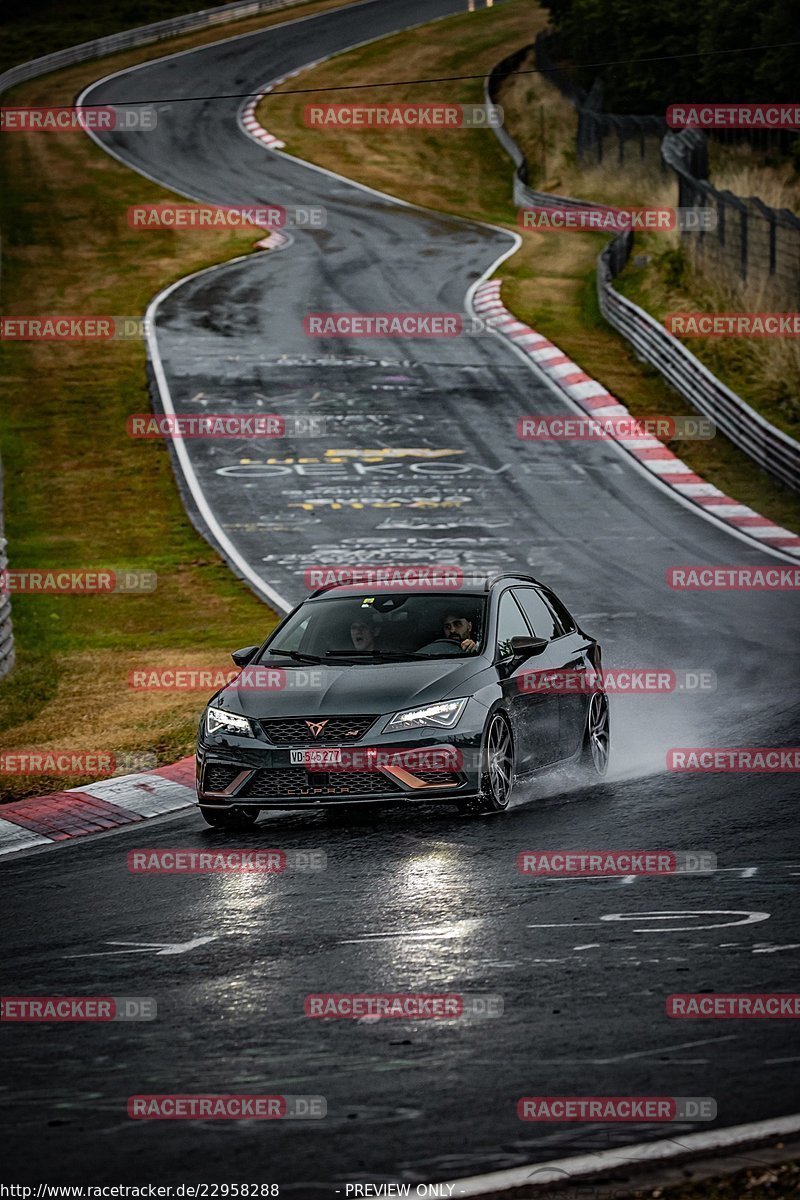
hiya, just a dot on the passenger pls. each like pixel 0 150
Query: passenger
pixel 364 630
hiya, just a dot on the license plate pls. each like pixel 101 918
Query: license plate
pixel 317 757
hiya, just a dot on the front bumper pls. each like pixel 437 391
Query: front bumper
pixel 421 765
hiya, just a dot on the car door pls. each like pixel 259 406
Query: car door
pixel 570 656
pixel 534 713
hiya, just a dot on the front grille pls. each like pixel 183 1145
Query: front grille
pixel 296 781
pixel 294 731
pixel 219 775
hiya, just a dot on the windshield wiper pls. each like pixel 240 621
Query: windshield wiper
pixel 373 654
pixel 295 654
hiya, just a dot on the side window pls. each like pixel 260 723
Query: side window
pixel 543 621
pixel 510 623
pixel 565 618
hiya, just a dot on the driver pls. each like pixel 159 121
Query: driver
pixel 458 633
pixel 458 628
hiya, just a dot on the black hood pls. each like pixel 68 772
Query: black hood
pixel 360 688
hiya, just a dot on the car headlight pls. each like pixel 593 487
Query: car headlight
pixel 445 715
pixel 217 719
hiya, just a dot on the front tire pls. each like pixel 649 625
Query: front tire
pixel 597 738
pixel 229 818
pixel 497 769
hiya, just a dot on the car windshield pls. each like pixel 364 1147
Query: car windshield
pixel 363 628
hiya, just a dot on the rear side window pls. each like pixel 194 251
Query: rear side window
pixel 510 623
pixel 542 619
pixel 565 617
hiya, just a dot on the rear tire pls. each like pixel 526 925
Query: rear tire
pixel 229 818
pixel 497 770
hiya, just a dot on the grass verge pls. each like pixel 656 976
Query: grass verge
pixel 78 492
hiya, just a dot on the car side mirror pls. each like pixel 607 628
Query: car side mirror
pixel 243 657
pixel 528 647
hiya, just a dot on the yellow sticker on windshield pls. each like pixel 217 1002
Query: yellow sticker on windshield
pixel 365 603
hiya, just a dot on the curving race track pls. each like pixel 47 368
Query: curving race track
pixel 420 462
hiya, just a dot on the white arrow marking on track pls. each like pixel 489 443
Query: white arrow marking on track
pixel 147 947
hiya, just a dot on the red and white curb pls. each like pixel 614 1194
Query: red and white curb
pixel 96 807
pixel 252 127
pixel 250 122
pixel 650 452
pixel 274 241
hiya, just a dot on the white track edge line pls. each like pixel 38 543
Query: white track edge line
pixel 642 1153
pixel 274 597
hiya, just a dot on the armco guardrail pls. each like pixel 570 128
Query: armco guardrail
pixel 131 38
pixel 6 634
pixel 771 448
pixel 524 195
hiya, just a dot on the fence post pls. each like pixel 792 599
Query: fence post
pixel 770 216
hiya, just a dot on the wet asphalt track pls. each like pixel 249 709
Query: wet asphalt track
pixel 419 900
